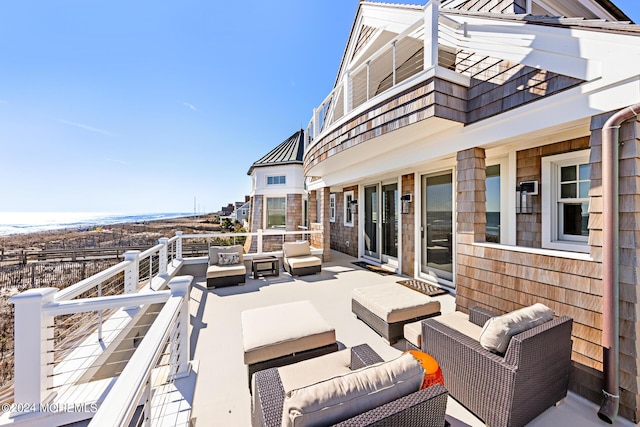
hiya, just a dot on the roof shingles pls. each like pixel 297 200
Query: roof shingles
pixel 290 151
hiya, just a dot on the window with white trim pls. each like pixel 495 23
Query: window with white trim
pixel 566 182
pixel 276 212
pixel 277 180
pixel 348 208
pixel 332 207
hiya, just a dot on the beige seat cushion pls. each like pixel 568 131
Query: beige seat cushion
pixel 497 331
pixel 279 330
pixel 293 249
pixel 214 271
pixel 456 320
pixel 314 370
pixel 394 303
pixel 215 250
pixel 413 333
pixel 337 399
pixel 304 261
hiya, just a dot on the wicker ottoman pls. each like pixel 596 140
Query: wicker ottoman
pixel 281 334
pixel 387 308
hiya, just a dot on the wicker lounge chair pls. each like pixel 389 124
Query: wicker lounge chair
pixel 509 390
pixel 422 408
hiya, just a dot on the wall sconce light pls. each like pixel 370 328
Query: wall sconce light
pixel 405 199
pixel 524 191
pixel 354 205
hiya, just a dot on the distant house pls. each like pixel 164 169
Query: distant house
pixel 278 199
pixel 462 144
pixel 242 213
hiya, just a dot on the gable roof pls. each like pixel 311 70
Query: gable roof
pixel 290 151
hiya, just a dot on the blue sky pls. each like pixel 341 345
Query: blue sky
pixel 140 106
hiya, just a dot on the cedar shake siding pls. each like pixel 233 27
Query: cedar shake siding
pixel 408 226
pixel 504 279
pixel 340 233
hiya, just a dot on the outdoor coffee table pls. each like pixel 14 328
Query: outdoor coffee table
pixel 282 334
pixel 272 266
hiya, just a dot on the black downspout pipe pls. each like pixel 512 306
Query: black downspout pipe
pixel 610 263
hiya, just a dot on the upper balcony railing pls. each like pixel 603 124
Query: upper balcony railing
pixel 433 40
pixel 430 41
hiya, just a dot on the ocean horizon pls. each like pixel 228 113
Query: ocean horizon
pixel 12 223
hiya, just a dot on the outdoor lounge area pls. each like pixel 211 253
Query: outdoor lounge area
pixel 221 392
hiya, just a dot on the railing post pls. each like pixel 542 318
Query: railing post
pixel 315 122
pixel 431 34
pixel 259 241
pixel 33 335
pixel 132 272
pixel 368 79
pixel 180 287
pixel 162 256
pixel 346 92
pixel 179 246
pixel 393 83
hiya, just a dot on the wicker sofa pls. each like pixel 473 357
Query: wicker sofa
pixel 425 407
pixel 219 274
pixel 502 390
pixel 297 259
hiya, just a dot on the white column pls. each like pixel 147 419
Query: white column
pixel 179 246
pixel 132 272
pixel 33 335
pixel 431 34
pixel 163 255
pixel 180 287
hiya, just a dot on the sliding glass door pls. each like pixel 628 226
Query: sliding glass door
pixel 437 226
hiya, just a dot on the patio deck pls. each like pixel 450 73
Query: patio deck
pixel 221 395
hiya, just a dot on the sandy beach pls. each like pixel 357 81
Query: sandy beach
pixel 116 235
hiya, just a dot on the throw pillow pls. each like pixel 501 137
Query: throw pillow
pixel 228 258
pixel 432 371
pixel 497 331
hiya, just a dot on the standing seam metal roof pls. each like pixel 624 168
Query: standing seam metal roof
pixel 290 151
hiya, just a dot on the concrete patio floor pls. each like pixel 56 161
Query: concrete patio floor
pixel 221 394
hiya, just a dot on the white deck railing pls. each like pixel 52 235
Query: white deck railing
pixel 55 366
pixel 63 337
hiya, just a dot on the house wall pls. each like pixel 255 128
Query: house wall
pixel 294 174
pixel 255 223
pixel 294 214
pixel 408 226
pixel 321 222
pixel 340 233
pixel 504 278
pixel 529 168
